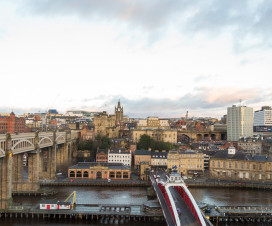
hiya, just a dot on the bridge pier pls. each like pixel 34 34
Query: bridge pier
pixel 6 176
pixel 47 166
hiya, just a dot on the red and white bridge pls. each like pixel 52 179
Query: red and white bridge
pixel 178 204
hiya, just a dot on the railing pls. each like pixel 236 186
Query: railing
pixel 166 197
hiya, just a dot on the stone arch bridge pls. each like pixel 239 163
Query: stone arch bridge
pixel 193 135
pixel 39 154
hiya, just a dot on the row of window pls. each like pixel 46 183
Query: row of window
pixel 242 165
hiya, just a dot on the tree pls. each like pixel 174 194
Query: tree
pixel 146 142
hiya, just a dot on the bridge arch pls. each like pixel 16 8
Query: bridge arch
pixel 183 138
pixel 45 139
pixel 26 143
pixel 199 136
pixel 213 136
pixel 60 139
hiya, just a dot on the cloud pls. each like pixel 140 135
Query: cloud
pixel 203 99
pixel 248 22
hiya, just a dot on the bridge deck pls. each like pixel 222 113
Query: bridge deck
pixel 186 216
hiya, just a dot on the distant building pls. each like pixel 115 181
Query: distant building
pixel 240 122
pixel 237 165
pixel 12 124
pixel 165 135
pixel 263 120
pixel 188 162
pixel 153 123
pixel 93 170
pixel 142 156
pixel 250 145
pixel 159 159
pixel 53 111
pixel 87 133
pixel 102 155
pixel 122 156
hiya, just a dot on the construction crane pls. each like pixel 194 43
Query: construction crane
pixel 73 203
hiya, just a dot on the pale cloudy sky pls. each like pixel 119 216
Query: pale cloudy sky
pixel 159 57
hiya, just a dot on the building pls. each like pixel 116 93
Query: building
pixel 87 133
pixel 12 124
pixel 119 114
pixel 159 159
pixel 188 162
pixel 142 156
pixel 102 155
pixel 250 145
pixel 109 125
pixel 96 171
pixel 153 123
pixel 240 122
pixel 236 165
pixel 104 125
pixel 116 155
pixel 263 120
pixel 164 135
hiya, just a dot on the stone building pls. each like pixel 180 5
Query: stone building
pixel 188 162
pixel 142 156
pixel 153 123
pixel 250 146
pixel 164 135
pixel 94 170
pixel 159 159
pixel 109 125
pixel 236 165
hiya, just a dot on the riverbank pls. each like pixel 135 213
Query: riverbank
pixel 213 183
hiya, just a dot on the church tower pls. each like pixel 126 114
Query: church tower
pixel 118 113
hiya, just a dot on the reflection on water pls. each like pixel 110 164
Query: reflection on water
pixel 137 196
pixel 232 197
pixel 95 195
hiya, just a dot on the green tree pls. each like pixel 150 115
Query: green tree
pixel 106 143
pixel 146 142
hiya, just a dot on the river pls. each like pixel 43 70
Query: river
pixel 137 196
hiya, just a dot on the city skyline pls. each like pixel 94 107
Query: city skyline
pixel 159 59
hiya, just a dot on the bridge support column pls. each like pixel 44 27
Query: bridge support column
pixel 47 167
pixel 17 173
pixel 33 172
pixel 6 176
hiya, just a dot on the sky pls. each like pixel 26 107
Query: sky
pixel 160 58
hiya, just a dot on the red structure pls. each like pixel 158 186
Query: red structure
pixel 188 201
pixel 164 193
pixel 12 124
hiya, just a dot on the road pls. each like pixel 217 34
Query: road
pixel 186 216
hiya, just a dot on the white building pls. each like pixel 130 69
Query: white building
pixel 263 117
pixel 239 122
pixel 159 159
pixel 116 155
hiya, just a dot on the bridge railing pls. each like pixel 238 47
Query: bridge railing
pixel 22 142
pixel 2 146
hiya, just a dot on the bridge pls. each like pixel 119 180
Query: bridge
pixel 27 158
pixel 188 135
pixel 177 203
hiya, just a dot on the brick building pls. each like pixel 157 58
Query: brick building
pixel 93 170
pixel 12 124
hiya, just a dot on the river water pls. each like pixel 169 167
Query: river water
pixel 137 196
